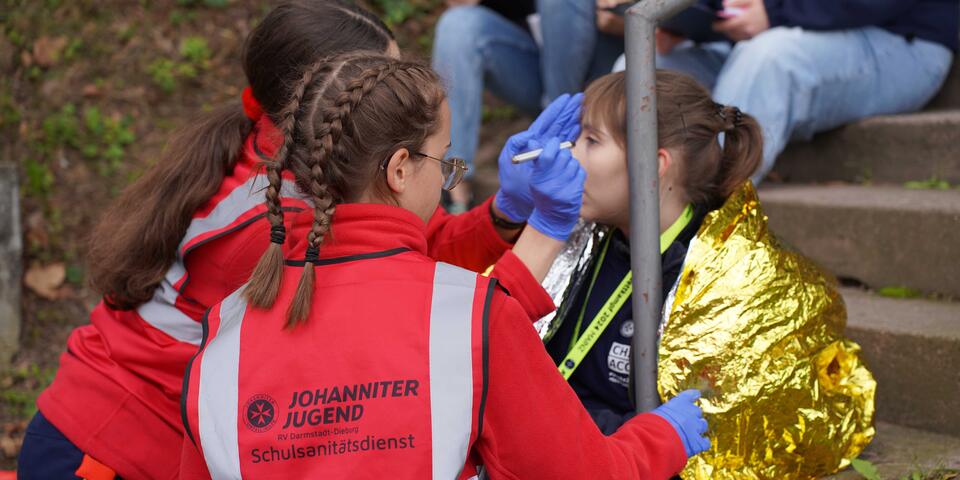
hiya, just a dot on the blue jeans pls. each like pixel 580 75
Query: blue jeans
pixel 476 48
pixel 799 82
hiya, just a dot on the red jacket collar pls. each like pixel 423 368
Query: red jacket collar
pixel 360 229
pixel 262 142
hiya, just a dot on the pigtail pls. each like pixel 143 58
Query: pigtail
pixel 336 119
pixel 265 280
pixel 742 149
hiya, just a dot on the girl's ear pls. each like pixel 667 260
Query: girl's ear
pixel 399 168
pixel 664 162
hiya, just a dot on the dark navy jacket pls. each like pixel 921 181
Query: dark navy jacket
pixel 602 380
pixel 933 20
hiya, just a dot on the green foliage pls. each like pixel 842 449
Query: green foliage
pixel 75 274
pixel 39 178
pixel 206 3
pixel 932 183
pixel 72 49
pixel 22 386
pixel 395 12
pixel 179 16
pixel 898 292
pixel 498 113
pixel 96 136
pixel 195 57
pixel 866 469
pixel 16 37
pixel 163 73
pixel 62 128
pixel 9 113
pixel 195 50
pixel 106 139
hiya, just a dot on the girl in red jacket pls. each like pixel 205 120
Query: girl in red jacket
pixel 363 357
pixel 190 231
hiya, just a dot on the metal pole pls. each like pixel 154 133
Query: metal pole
pixel 642 163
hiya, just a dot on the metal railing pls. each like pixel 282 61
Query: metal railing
pixel 642 165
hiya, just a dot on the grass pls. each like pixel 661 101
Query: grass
pixel 869 471
pixel 20 387
pixel 396 12
pixel 898 292
pixel 932 183
pixel 194 58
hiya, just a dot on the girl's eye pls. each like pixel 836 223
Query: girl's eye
pixel 591 140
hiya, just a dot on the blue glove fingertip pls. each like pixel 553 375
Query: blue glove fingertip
pixel 690 395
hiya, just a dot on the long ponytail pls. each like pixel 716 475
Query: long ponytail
pixel 742 149
pixel 137 237
pixel 136 240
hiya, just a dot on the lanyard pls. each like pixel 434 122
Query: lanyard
pixel 579 346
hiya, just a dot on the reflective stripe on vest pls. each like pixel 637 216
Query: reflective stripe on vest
pixel 161 311
pixel 451 378
pixel 451 368
pixel 218 391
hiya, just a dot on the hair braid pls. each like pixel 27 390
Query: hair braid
pixel 324 144
pixel 266 277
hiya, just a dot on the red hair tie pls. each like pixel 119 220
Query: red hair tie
pixel 251 107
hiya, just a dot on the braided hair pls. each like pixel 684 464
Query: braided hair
pixel 353 110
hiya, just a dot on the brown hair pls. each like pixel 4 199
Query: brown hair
pixel 689 123
pixel 136 240
pixel 354 112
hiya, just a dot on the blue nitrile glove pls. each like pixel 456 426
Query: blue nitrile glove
pixel 557 189
pixel 687 419
pixel 560 119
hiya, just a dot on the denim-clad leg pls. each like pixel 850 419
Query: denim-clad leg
pixel 475 47
pixel 703 62
pixel 570 37
pixel 798 82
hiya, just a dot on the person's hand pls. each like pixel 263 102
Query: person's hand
pixel 610 23
pixel 686 418
pixel 666 41
pixel 749 21
pixel 457 3
pixel 561 119
pixel 557 189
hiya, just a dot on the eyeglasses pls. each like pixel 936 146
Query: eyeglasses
pixel 452 170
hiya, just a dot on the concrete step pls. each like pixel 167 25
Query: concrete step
pixel 899 452
pixel 881 236
pixel 884 149
pixel 912 347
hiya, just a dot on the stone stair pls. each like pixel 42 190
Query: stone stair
pixel 854 200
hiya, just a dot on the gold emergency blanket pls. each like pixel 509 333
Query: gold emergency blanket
pixel 759 330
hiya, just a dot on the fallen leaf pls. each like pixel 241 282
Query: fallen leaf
pixel 91 90
pixel 45 280
pixel 46 50
pixel 9 447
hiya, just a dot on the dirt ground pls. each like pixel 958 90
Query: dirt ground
pixel 89 93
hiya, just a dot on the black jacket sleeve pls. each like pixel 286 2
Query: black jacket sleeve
pixel 835 14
